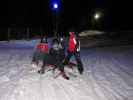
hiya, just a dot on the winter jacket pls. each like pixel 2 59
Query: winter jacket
pixel 57 52
pixel 43 47
pixel 71 43
pixel 74 43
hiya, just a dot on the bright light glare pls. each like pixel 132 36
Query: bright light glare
pixel 55 6
pixel 97 16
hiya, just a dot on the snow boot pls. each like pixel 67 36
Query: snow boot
pixel 80 69
pixel 64 76
pixel 41 72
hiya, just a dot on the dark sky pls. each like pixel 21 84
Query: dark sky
pixel 72 13
pixel 120 14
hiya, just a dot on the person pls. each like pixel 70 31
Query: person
pixel 40 50
pixel 55 57
pixel 74 50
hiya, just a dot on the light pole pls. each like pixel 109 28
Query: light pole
pixel 97 20
pixel 8 34
pixel 55 8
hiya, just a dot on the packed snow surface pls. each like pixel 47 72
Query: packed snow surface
pixel 108 75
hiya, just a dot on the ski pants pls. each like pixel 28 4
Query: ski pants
pixel 78 60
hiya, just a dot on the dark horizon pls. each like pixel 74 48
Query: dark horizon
pixel 78 15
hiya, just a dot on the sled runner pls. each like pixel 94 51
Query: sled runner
pixel 71 66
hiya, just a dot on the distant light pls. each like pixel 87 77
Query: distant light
pixel 55 5
pixel 97 16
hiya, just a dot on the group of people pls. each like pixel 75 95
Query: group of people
pixel 56 54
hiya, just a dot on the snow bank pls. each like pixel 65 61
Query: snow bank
pixel 90 33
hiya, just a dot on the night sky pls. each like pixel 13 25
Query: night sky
pixel 73 13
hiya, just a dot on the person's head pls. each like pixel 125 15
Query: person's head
pixel 71 33
pixel 55 44
pixel 55 41
pixel 43 39
pixel 77 34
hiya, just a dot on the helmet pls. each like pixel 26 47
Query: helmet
pixel 72 33
pixel 55 41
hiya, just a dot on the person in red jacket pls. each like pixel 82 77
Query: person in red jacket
pixel 74 50
pixel 40 50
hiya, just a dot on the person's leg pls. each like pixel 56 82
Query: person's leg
pixel 35 57
pixel 61 68
pixel 45 58
pixel 59 64
pixel 42 70
pixel 79 62
pixel 67 58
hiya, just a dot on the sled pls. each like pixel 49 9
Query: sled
pixel 54 68
pixel 70 65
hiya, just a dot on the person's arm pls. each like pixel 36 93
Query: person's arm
pixel 51 51
pixel 77 45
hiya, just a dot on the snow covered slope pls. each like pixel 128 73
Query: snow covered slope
pixel 108 75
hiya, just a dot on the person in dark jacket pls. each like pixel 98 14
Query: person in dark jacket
pixel 74 50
